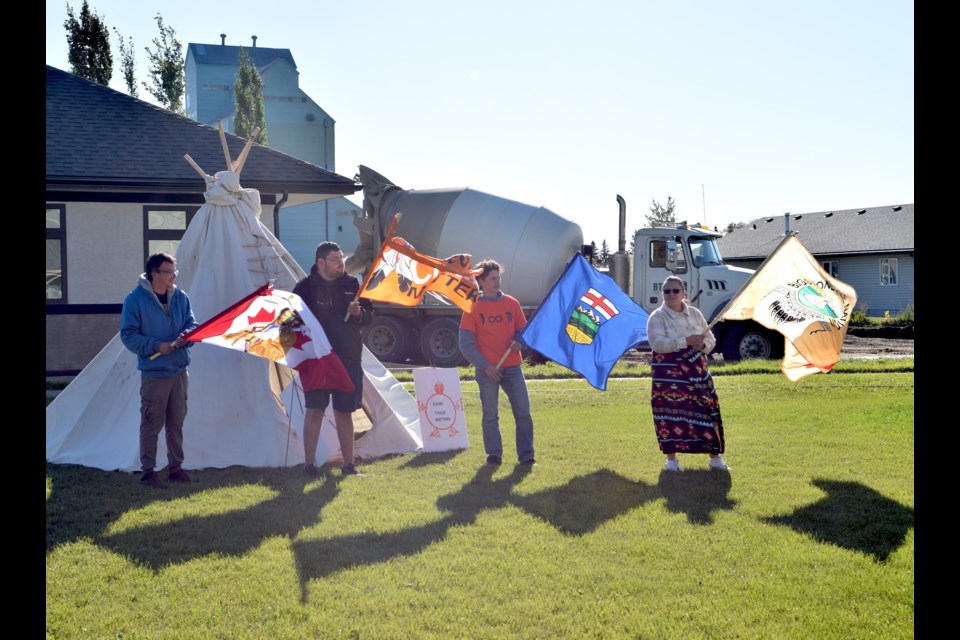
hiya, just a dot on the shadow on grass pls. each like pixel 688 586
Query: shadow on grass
pixel 852 516
pixel 696 493
pixel 586 502
pixel 86 502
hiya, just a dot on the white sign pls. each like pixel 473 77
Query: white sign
pixel 440 405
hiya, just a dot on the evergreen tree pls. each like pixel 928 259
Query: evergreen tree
pixel 604 254
pixel 662 216
pixel 248 101
pixel 127 63
pixel 166 69
pixel 88 42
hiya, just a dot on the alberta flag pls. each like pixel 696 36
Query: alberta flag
pixel 278 326
pixel 586 323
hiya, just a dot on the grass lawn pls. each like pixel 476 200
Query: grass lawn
pixel 811 535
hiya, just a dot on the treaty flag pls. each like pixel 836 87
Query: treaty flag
pixel 278 326
pixel 586 323
pixel 791 293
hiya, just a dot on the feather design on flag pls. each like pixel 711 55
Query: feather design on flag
pixel 278 326
pixel 791 293
pixel 586 323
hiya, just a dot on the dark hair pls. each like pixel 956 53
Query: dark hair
pixel 326 247
pixel 155 261
pixel 487 266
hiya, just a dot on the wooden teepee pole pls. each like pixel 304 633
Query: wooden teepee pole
pixel 226 150
pixel 242 158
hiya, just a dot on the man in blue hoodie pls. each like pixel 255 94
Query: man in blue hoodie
pixel 154 318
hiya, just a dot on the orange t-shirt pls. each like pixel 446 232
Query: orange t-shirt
pixel 496 324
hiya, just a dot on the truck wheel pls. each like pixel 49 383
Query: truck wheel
pixel 387 338
pixel 747 340
pixel 440 343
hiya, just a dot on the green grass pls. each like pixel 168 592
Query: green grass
pixel 810 536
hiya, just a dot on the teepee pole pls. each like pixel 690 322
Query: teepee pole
pixel 226 150
pixel 193 164
pixel 242 158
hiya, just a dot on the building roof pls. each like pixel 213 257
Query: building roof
pixel 228 54
pixel 851 231
pixel 102 140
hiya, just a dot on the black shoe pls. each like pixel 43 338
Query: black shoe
pixel 311 471
pixel 529 462
pixel 151 479
pixel 494 460
pixel 179 475
pixel 350 469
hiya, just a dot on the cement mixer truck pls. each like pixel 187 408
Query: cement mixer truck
pixel 534 245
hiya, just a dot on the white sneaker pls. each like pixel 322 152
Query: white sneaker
pixel 718 464
pixel 673 465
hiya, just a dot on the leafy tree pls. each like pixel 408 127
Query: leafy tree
pixel 127 63
pixel 734 225
pixel 248 101
pixel 166 69
pixel 659 216
pixel 662 216
pixel 604 260
pixel 88 42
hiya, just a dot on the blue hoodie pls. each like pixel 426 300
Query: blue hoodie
pixel 144 325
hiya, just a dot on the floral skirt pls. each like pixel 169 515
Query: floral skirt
pixel 686 410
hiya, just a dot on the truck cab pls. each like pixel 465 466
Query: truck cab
pixel 690 252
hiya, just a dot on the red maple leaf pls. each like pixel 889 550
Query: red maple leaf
pixel 263 316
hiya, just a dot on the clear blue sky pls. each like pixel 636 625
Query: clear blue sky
pixel 737 109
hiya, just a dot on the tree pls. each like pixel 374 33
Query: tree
pixel 734 225
pixel 662 216
pixel 166 69
pixel 604 260
pixel 88 42
pixel 127 63
pixel 248 101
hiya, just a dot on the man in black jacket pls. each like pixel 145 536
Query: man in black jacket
pixel 331 295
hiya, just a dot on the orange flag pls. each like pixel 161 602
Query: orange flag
pixel 403 276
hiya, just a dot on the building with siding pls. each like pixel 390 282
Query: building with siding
pixel 870 249
pixel 118 188
pixel 295 124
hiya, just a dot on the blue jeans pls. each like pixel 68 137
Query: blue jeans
pixel 515 386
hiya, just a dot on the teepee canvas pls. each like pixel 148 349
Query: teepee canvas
pixel 242 410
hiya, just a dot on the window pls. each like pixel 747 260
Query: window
pixel 658 255
pixel 56 253
pixel 888 272
pixel 832 267
pixel 163 228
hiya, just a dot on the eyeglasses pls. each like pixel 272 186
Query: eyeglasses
pixel 168 273
pixel 672 290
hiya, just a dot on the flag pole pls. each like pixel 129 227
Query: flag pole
pixel 390 233
pixel 260 291
pixel 505 354
pixel 735 298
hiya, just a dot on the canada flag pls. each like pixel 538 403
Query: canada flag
pixel 278 326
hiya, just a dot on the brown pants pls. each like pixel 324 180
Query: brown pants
pixel 163 401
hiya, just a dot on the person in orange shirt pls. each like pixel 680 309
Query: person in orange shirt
pixel 486 334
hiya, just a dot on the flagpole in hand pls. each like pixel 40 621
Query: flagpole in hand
pixel 390 233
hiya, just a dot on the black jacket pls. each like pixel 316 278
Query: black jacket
pixel 328 301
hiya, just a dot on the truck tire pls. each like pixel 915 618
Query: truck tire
pixel 388 338
pixel 440 343
pixel 747 339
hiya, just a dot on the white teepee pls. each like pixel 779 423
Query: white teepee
pixel 242 410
